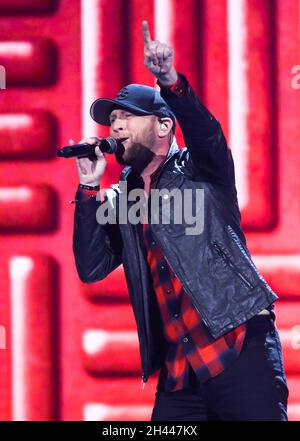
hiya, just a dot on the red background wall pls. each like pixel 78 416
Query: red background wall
pixel 71 349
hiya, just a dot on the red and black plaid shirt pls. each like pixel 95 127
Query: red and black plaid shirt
pixel 189 341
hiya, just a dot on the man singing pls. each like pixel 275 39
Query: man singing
pixel 205 316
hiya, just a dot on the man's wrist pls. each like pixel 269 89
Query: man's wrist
pixel 86 193
pixel 169 79
pixel 179 88
pixel 89 187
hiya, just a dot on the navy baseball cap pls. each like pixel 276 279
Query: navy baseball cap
pixel 138 98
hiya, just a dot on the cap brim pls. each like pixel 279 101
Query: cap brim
pixel 102 107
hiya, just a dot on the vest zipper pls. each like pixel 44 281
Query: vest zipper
pixel 144 380
pixel 232 265
pixel 135 234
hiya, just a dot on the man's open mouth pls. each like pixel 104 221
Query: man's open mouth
pixel 122 140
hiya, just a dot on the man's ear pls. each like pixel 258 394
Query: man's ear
pixel 164 126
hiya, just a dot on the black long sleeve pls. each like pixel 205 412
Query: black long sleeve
pixel 202 133
pixel 97 248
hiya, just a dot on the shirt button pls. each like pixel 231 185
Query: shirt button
pixel 166 196
pixel 185 340
pixel 162 266
pixel 153 242
pixel 176 315
pixel 168 291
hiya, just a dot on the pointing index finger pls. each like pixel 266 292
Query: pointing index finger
pixel 146 32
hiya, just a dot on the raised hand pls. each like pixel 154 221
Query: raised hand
pixel 158 57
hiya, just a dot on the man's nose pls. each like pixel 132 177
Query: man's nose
pixel 118 124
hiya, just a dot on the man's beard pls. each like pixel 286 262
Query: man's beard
pixel 138 156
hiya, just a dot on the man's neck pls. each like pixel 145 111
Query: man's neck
pixel 152 166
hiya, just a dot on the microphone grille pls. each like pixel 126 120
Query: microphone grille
pixel 111 145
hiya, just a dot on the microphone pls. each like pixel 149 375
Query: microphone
pixel 107 145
